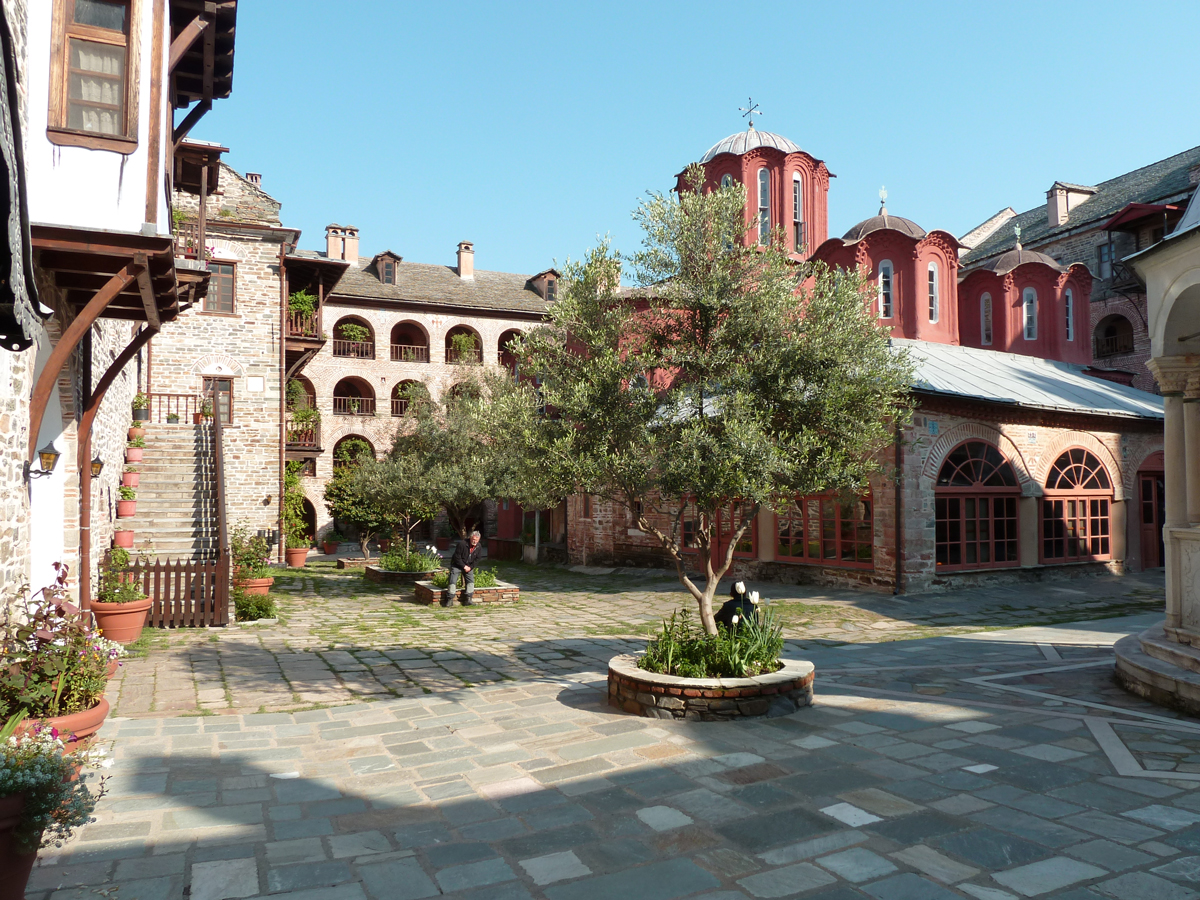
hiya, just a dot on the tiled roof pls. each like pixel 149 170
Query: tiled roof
pixel 1024 381
pixel 1150 184
pixel 423 283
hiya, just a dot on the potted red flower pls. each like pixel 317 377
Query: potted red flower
pixel 120 606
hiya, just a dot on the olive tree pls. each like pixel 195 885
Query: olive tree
pixel 730 376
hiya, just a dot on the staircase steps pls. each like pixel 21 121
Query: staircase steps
pixel 176 494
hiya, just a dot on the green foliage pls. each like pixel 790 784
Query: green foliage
pixel 303 303
pixel 249 553
pixel 172 417
pixel 250 607
pixel 484 578
pixel 138 442
pixel 398 492
pixel 465 346
pixel 352 331
pixel 333 536
pixel 206 407
pixel 402 559
pixel 734 375
pixel 295 527
pixel 751 647
pixel 132 470
pixel 126 493
pixel 352 500
pixel 303 411
pixel 140 401
pixel 117 584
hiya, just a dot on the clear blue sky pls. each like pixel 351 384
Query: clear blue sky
pixel 531 128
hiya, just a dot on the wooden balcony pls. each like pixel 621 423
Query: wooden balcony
pixel 409 353
pixel 303 440
pixel 354 349
pixel 1117 345
pixel 353 406
pixel 464 357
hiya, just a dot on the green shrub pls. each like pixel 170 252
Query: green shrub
pixel 126 493
pixel 351 331
pixel 302 302
pixel 250 607
pixel 484 578
pixel 138 442
pixel 398 559
pixel 752 647
pixel 249 552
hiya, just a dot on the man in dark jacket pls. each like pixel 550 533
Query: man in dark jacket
pixel 466 555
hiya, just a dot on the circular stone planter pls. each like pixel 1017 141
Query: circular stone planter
pixel 386 576
pixel 709 699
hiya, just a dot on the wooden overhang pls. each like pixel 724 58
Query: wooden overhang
pixel 200 61
pixel 319 275
pixel 192 158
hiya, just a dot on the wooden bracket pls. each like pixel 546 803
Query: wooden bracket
pixel 184 41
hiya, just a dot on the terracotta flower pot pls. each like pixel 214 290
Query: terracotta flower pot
pixel 80 725
pixel 136 432
pixel 111 669
pixel 126 509
pixel 296 556
pixel 121 622
pixel 197 419
pixel 16 866
pixel 258 585
pixel 330 547
pixel 130 479
pixel 123 538
pixel 133 454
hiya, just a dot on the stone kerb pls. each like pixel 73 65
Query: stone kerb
pixel 709 699
pixel 377 575
pixel 503 592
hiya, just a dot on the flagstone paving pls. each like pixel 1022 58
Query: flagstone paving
pixel 990 765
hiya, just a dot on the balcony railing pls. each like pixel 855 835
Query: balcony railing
pixel 464 357
pixel 399 407
pixel 181 407
pixel 409 353
pixel 354 349
pixel 353 406
pixel 304 325
pixel 303 436
pixel 1112 346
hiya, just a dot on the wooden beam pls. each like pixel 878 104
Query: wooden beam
pixel 158 114
pixel 92 404
pixel 149 301
pixel 184 41
pixel 66 345
pixel 189 122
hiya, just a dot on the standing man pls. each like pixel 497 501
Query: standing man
pixel 466 555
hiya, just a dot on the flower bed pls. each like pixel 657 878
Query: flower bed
pixel 708 699
pixel 379 575
pixel 429 593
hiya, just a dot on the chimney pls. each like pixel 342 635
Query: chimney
pixel 466 259
pixel 351 244
pixel 341 242
pixel 1056 205
pixel 254 178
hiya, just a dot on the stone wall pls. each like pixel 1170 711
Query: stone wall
pixel 16 372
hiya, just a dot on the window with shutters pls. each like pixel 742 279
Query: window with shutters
pixel 1030 313
pixel 798 237
pixel 935 301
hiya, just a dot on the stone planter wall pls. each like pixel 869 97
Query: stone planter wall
pixel 501 593
pixel 385 576
pixel 709 699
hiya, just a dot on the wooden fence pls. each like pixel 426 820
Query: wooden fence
pixel 187 593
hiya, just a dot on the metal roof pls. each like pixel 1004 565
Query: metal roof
pixel 745 141
pixel 1025 381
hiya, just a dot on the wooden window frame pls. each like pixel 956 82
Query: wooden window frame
pixel 63 28
pixel 233 276
pixel 957 503
pixel 1069 304
pixel 216 404
pixel 1096 516
pixel 387 274
pixel 798 236
pixel 721 531
pixel 827 501
pixel 764 205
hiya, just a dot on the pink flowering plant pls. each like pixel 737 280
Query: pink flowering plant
pixel 58 799
pixel 52 661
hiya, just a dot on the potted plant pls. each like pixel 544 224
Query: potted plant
pixel 331 542
pixel 205 412
pixel 295 527
pixel 120 606
pixel 141 407
pixel 123 538
pixel 127 505
pixel 172 418
pixel 135 430
pixel 129 478
pixel 133 450
pixel 250 553
pixel 42 799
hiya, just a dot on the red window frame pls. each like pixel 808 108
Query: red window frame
pixel 1076 520
pixel 976 510
pixel 823 529
pixel 728 518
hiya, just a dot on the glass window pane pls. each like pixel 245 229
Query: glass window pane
pixel 96 88
pixel 101 14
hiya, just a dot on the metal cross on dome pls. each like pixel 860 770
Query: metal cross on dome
pixel 750 110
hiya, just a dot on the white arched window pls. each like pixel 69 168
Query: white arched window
pixel 726 181
pixel 934 294
pixel 1070 308
pixel 797 213
pixel 764 205
pixel 885 289
pixel 1029 310
pixel 985 319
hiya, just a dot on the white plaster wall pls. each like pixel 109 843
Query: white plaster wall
pixel 80 186
pixel 47 495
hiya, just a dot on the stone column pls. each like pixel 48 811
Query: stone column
pixel 1191 440
pixel 1029 516
pixel 1116 533
pixel 1172 374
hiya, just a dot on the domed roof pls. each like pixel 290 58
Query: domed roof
pixel 1019 256
pixel 745 141
pixel 881 222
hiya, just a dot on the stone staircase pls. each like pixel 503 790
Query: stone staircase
pixel 176 494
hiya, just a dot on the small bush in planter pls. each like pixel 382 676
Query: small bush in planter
pixel 250 607
pixel 137 443
pixel 114 588
pixel 141 400
pixel 127 493
pixel 249 553
pixel 172 418
pixel 398 559
pixel 304 303
pixel 484 578
pixel 750 646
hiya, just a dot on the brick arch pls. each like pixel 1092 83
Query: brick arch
pixel 217 364
pixel 226 249
pixel 1131 469
pixel 967 431
pixel 1068 439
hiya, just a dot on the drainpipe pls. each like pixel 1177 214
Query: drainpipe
pixel 898 588
pixel 85 487
pixel 283 314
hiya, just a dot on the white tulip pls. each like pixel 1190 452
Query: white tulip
pixel 740 587
pixel 754 597
pixel 735 620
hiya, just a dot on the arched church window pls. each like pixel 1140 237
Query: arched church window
pixel 934 293
pixel 764 205
pixel 976 509
pixel 798 236
pixel 885 289
pixel 1076 509
pixel 726 181
pixel 985 320
pixel 1069 303
pixel 1029 313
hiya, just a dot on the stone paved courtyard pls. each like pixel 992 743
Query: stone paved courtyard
pixel 471 754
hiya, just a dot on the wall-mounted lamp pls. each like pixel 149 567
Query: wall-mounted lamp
pixel 48 458
pixel 97 467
